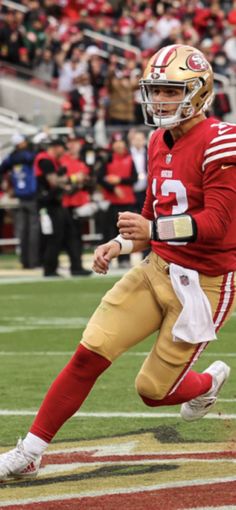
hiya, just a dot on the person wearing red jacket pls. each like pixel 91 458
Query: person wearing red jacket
pixel 116 179
pixel 76 196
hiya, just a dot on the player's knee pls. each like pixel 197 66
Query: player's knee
pixel 97 340
pixel 88 362
pixel 149 389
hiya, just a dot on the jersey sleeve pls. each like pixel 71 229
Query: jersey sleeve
pixel 219 184
pixel 221 146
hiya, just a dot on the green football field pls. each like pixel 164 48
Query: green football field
pixel 40 326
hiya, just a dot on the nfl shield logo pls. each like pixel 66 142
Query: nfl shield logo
pixel 184 280
pixel 168 158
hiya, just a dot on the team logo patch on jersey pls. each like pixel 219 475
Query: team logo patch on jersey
pixel 168 158
pixel 184 280
pixel 166 173
pixel 196 62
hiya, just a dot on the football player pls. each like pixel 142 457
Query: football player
pixel 184 290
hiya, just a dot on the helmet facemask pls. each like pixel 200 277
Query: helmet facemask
pixel 156 113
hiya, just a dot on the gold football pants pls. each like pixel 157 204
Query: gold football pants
pixel 144 302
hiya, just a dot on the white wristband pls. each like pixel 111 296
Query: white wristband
pixel 126 245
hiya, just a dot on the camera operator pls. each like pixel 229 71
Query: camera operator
pixel 51 182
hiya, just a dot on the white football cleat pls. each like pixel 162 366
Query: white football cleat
pixel 200 406
pixel 16 464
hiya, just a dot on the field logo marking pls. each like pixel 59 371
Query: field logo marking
pixel 114 472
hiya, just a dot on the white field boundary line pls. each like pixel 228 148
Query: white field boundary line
pixel 230 507
pixel 126 415
pixel 108 492
pixel 132 354
pixel 124 449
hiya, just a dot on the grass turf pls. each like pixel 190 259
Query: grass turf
pixel 41 324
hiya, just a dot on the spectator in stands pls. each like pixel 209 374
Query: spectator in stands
pixel 11 37
pixel 150 38
pixel 138 151
pixel 189 33
pixel 97 71
pixel 35 37
pixel 82 99
pixel 220 64
pixel 167 23
pixel 121 87
pixel 19 163
pixel 72 69
pixel 125 27
pixel 209 17
pixel 45 69
pixel 117 178
pixel 230 48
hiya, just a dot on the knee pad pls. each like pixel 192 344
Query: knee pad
pixel 148 387
pixel 100 341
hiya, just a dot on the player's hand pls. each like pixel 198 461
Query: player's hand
pixel 118 192
pixel 133 226
pixel 103 255
pixel 112 179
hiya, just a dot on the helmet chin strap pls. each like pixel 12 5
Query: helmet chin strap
pixel 164 123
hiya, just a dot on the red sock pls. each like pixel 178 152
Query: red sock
pixel 68 392
pixel 192 386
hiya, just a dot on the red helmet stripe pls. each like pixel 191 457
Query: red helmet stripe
pixel 163 56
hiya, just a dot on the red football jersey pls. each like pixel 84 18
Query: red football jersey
pixel 196 176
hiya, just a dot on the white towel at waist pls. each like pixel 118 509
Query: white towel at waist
pixel 194 324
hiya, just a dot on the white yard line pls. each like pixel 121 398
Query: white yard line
pixel 126 415
pixel 132 354
pixel 230 507
pixel 207 354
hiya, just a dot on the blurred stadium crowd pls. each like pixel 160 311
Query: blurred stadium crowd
pixel 93 52
pixel 53 43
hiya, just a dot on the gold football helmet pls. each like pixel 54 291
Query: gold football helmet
pixel 176 66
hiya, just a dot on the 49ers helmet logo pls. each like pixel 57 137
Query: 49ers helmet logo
pixel 197 63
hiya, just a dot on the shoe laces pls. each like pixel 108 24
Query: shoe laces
pixel 200 402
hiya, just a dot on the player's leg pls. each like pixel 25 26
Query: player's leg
pixel 166 377
pixel 126 315
pixel 221 294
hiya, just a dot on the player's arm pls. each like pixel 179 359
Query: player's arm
pixel 181 227
pixel 210 224
pixel 54 180
pixel 104 253
pixel 219 203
